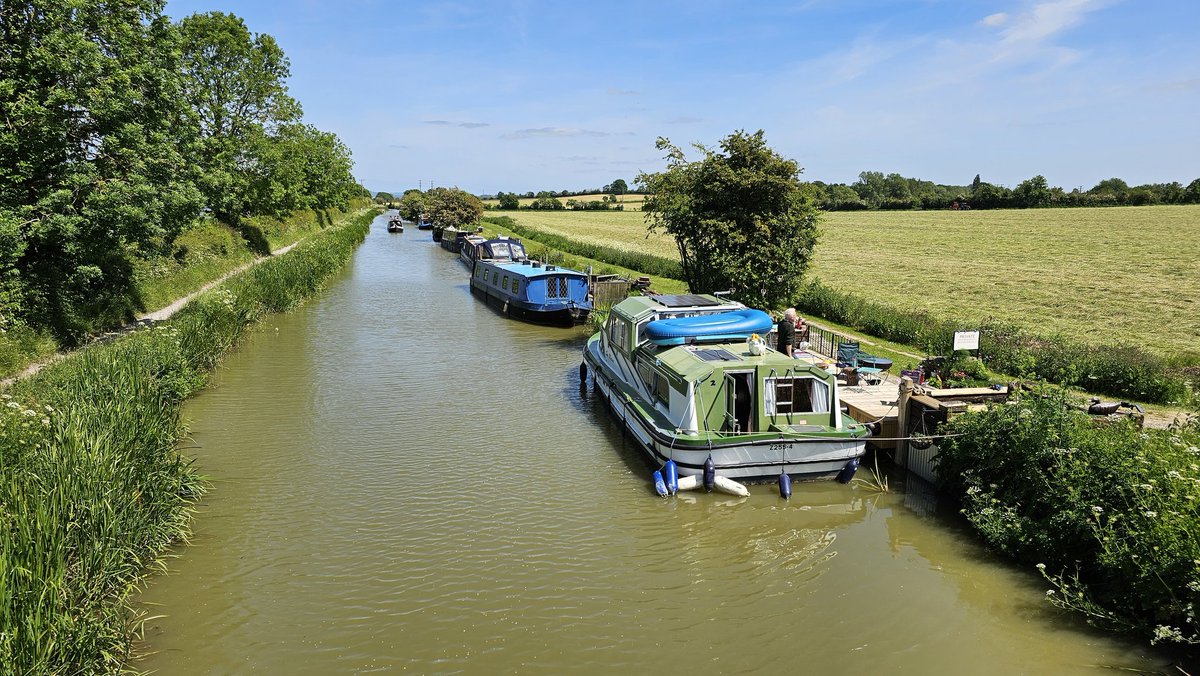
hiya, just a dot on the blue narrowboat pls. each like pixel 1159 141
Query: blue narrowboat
pixel 529 290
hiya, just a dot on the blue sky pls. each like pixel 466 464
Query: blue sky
pixel 523 95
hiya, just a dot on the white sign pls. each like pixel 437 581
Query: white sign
pixel 966 340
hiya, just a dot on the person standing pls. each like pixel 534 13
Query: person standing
pixel 786 333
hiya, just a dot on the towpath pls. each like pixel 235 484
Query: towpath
pixel 149 318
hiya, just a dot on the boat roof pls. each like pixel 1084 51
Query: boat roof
pixel 527 269
pixel 636 307
pixel 693 362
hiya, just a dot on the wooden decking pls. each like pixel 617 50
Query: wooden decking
pixel 870 403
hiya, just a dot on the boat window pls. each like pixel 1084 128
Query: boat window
pixel 518 251
pixel 504 285
pixel 616 333
pixel 500 250
pixel 796 395
pixel 662 390
pixel 495 278
pixel 516 286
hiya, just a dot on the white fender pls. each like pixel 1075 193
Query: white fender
pixel 690 482
pixel 727 485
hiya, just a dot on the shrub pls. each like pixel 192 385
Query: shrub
pixel 1108 513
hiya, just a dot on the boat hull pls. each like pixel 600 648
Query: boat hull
pixel 554 316
pixel 737 457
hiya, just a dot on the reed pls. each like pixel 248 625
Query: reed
pixel 92 487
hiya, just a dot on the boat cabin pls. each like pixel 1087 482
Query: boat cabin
pixel 693 361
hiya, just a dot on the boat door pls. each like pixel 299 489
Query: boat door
pixel 739 401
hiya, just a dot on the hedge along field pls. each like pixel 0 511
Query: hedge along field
pixel 92 487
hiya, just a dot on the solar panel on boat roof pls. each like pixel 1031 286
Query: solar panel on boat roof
pixel 715 354
pixel 684 300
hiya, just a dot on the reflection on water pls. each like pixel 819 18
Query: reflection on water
pixel 405 479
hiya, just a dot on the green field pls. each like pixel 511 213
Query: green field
pixel 1111 275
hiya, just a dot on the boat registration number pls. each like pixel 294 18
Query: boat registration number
pixel 781 447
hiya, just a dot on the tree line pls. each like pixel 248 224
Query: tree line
pixel 120 129
pixel 875 190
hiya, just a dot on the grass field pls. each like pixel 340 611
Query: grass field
pixel 1121 274
pixel 631 202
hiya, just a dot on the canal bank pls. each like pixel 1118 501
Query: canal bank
pixel 405 479
pixel 92 488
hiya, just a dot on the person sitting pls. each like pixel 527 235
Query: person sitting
pixel 785 342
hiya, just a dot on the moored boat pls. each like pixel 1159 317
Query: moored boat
pixel 395 224
pixel 504 276
pixel 468 248
pixel 684 374
pixel 450 241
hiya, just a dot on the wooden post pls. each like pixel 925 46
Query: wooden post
pixel 906 388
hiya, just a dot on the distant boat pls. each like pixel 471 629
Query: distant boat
pixel 395 224
pixel 424 224
pixel 546 294
pixel 684 374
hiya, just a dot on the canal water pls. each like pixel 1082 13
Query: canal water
pixel 403 479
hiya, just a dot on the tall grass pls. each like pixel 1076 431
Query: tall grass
pixel 92 488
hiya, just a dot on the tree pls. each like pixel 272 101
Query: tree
pixel 1034 192
pixel 617 187
pixel 509 200
pixel 452 207
pixel 382 197
pixel 1191 194
pixel 412 204
pixel 546 203
pixel 975 184
pixel 738 216
pixel 91 176
pixel 235 83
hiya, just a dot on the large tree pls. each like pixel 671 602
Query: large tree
pixel 412 204
pixel 452 207
pixel 236 85
pixel 739 217
pixel 90 169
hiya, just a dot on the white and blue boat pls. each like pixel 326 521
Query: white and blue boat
pixel 504 276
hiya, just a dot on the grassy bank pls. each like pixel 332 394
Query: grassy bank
pixel 1109 514
pixel 202 253
pixel 562 251
pixel 92 488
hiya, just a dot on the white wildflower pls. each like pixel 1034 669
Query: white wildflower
pixel 1150 513
pixel 1097 509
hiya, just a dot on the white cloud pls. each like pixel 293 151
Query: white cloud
pixel 1048 19
pixel 994 20
pixel 554 132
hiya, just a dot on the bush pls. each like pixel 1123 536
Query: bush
pixel 1108 513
